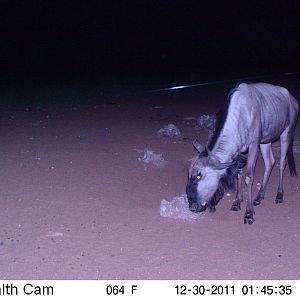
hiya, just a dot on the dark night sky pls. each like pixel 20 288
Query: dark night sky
pixel 147 39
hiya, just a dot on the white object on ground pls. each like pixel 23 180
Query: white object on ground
pixel 169 130
pixel 150 157
pixel 206 121
pixel 177 208
pixel 55 234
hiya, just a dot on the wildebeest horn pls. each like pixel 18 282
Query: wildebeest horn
pixel 200 148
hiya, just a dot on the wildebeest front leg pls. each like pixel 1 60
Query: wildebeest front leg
pixel 252 157
pixel 266 152
pixel 236 205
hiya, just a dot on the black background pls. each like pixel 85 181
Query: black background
pixel 147 40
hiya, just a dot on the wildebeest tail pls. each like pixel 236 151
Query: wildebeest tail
pixel 290 156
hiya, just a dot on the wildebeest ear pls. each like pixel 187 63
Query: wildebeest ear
pixel 215 163
pixel 200 148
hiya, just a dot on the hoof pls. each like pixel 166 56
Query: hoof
pixel 279 198
pixel 236 206
pixel 257 201
pixel 248 219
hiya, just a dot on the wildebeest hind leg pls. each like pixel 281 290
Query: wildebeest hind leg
pixel 284 144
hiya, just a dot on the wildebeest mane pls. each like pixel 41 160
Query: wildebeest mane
pixel 221 117
pixel 227 180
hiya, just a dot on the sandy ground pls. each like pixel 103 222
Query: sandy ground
pixel 76 203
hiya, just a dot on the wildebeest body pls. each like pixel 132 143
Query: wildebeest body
pixel 256 115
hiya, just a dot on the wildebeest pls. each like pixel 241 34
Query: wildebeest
pixel 255 116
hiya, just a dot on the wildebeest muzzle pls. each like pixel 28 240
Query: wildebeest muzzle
pixel 192 195
pixel 195 207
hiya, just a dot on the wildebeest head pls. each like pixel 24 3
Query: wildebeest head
pixel 204 188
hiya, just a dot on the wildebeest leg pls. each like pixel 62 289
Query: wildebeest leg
pixel 269 161
pixel 284 144
pixel 252 157
pixel 236 205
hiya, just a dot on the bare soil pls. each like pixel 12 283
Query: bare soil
pixel 76 203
